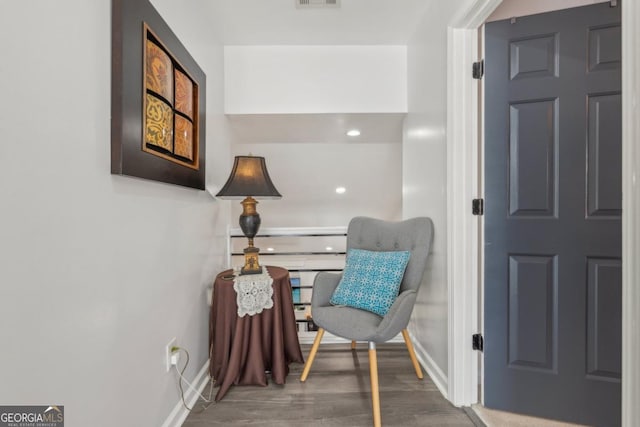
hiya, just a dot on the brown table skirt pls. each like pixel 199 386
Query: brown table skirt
pixel 243 349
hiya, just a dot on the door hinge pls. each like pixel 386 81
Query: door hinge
pixel 478 69
pixel 477 342
pixel 477 207
pixel 613 3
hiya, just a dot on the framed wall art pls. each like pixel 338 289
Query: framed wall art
pixel 157 100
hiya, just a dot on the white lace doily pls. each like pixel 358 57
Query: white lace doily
pixel 254 293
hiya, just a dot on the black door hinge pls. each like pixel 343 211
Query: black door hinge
pixel 478 70
pixel 477 207
pixel 477 342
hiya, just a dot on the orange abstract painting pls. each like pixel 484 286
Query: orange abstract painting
pixel 171 106
pixel 158 99
pixel 184 94
pixel 159 72
pixel 159 129
pixel 184 138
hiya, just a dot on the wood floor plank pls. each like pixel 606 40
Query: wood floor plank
pixel 337 393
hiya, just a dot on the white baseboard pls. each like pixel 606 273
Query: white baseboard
pixel 180 413
pixel 433 370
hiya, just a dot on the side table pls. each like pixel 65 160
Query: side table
pixel 243 349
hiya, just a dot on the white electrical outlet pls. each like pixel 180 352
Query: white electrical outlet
pixel 175 358
pixel 167 354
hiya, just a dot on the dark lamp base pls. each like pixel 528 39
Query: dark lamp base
pixel 251 262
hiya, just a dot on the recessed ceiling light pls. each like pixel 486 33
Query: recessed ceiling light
pixel 270 249
pixel 329 248
pixel 341 190
pixel 353 132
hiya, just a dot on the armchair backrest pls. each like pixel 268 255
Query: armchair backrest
pixel 415 235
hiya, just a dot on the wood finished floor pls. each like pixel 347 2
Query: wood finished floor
pixel 337 393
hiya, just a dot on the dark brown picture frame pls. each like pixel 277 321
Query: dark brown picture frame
pixel 133 22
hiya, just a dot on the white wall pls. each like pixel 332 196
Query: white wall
pixel 267 80
pixel 307 175
pixel 424 176
pixel 315 79
pixel 97 272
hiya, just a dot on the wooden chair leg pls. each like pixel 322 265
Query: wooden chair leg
pixel 312 355
pixel 353 345
pixel 412 353
pixel 375 394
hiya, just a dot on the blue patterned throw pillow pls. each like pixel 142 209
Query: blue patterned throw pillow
pixel 370 280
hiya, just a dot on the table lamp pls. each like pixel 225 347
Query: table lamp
pixel 249 178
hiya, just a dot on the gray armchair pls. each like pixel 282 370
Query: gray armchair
pixel 414 235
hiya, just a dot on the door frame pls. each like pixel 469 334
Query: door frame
pixel 464 171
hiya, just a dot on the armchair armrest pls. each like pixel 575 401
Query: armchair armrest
pixel 323 287
pixel 397 317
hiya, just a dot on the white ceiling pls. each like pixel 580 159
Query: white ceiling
pixel 355 22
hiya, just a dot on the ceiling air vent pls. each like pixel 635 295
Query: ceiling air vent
pixel 306 4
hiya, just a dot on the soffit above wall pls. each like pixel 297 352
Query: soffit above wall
pixel 315 79
pixel 375 128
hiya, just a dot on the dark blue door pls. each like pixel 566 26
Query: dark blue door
pixel 553 284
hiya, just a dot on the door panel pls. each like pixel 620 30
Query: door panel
pixel 535 56
pixel 552 215
pixel 604 151
pixel 604 47
pixel 532 158
pixel 604 300
pixel 532 307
